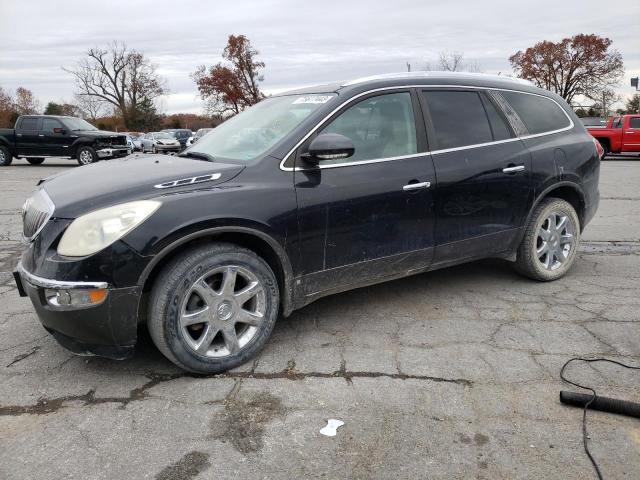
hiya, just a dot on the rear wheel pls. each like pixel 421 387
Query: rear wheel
pixel 550 242
pixel 5 156
pixel 35 161
pixel 86 155
pixel 213 307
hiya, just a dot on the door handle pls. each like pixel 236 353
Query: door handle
pixel 514 169
pixel 631 132
pixel 18 134
pixel 416 186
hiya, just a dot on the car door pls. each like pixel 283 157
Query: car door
pixel 370 216
pixel 484 188
pixel 28 140
pixel 55 137
pixel 631 135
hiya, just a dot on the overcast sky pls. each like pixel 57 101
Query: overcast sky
pixel 302 43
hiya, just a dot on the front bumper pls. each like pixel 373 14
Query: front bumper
pixel 107 329
pixel 112 152
pixel 168 148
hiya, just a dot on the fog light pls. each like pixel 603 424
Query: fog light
pixel 75 298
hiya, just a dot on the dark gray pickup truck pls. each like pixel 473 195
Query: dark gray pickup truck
pixel 37 136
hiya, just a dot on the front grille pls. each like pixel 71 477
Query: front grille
pixel 37 210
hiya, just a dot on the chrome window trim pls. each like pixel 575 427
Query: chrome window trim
pixel 56 284
pixel 431 152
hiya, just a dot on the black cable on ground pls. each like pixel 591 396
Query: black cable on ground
pixel 590 401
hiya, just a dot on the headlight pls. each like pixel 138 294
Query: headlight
pixel 96 230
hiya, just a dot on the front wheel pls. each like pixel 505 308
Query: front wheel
pixel 605 148
pixel 213 307
pixel 35 161
pixel 550 242
pixel 86 155
pixel 5 156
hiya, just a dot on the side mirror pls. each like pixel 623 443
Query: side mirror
pixel 59 130
pixel 329 146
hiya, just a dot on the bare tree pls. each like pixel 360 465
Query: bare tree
pixel 451 61
pixel 7 109
pixel 119 77
pixel 90 107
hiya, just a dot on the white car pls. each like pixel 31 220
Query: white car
pixel 159 142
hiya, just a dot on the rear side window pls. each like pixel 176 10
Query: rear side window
pixel 498 124
pixel 634 122
pixel 48 124
pixel 459 118
pixel 539 114
pixel 29 124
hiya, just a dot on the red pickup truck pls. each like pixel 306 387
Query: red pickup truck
pixel 622 134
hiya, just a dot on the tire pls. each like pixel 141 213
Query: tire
pixel 35 161
pixel 86 155
pixel 5 156
pixel 550 259
pixel 208 347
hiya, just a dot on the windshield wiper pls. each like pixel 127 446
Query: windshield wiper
pixel 200 155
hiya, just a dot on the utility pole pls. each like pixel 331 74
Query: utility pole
pixel 605 113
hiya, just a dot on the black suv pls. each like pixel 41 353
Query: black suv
pixel 303 195
pixel 38 136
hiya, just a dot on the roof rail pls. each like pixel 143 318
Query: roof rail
pixel 400 75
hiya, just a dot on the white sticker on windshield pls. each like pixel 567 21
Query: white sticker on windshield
pixel 313 99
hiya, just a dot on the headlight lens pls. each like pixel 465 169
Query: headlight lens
pixel 96 230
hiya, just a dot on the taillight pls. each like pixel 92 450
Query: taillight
pixel 599 148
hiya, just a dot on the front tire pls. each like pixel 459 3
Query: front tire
pixel 86 155
pixel 35 161
pixel 213 308
pixel 605 148
pixel 550 244
pixel 5 156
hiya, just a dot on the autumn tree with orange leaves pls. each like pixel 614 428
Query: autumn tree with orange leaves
pixel 580 65
pixel 230 88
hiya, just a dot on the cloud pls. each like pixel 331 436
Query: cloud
pixel 301 43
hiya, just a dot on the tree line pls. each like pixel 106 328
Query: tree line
pixel 118 87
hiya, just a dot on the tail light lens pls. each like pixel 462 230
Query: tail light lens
pixel 599 148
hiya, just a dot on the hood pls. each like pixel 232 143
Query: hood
pixel 83 189
pixel 97 133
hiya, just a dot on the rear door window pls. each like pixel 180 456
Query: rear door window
pixel 498 123
pixel 48 124
pixel 634 122
pixel 539 114
pixel 459 118
pixel 29 124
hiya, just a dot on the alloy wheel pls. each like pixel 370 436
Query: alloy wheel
pixel 222 310
pixel 555 240
pixel 85 157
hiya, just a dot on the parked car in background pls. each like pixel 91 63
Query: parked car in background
pixel 159 142
pixel 303 195
pixel 136 138
pixel 621 134
pixel 596 122
pixel 38 136
pixel 180 134
pixel 201 133
pixel 130 145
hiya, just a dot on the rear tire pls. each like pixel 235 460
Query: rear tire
pixel 86 155
pixel 5 156
pixel 35 161
pixel 213 308
pixel 550 244
pixel 605 147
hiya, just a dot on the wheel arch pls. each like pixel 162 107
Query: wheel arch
pixel 568 191
pixel 259 242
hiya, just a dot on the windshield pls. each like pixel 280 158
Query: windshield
pixel 258 128
pixel 78 124
pixel 163 135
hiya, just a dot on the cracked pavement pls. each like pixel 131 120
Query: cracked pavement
pixel 450 374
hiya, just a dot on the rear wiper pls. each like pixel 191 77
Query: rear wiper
pixel 200 155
